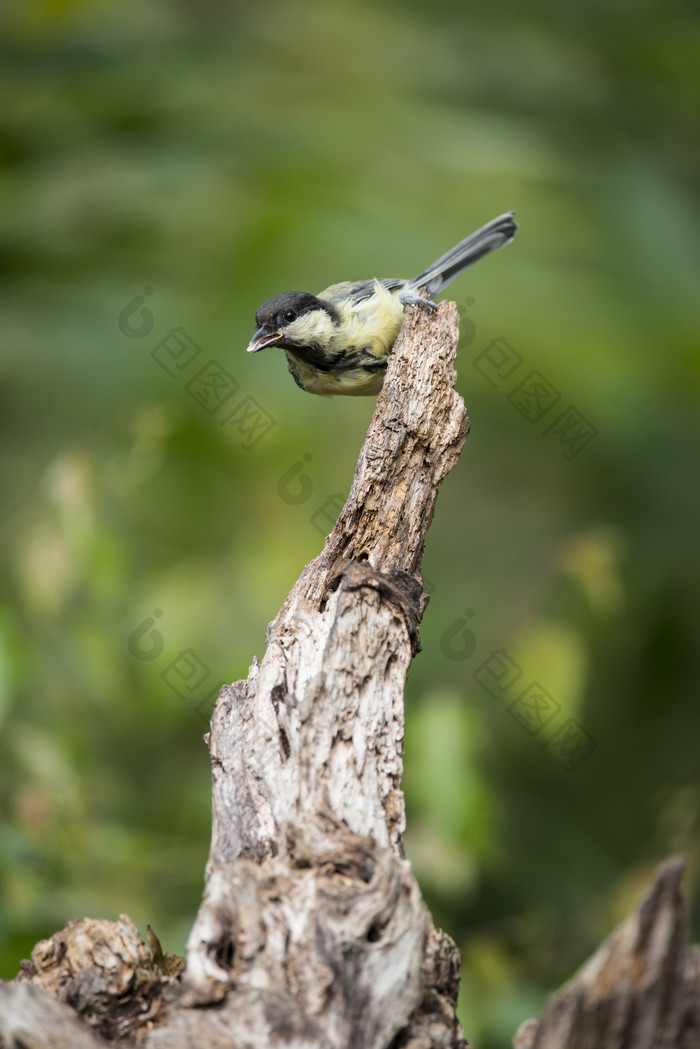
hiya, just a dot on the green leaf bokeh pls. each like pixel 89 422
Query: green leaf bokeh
pixel 218 154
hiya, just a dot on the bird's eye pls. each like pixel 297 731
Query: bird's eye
pixel 289 315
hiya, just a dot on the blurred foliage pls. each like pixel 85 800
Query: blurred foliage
pixel 217 154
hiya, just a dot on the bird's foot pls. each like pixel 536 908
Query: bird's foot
pixel 416 300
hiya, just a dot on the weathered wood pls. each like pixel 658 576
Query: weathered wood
pixel 641 988
pixel 312 931
pixel 103 970
pixel 308 895
pixel 30 1018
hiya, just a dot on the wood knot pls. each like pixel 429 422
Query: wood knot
pixel 397 588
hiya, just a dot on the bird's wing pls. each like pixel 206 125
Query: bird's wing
pixel 357 291
pixel 393 283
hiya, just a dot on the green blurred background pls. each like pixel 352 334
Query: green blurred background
pixel 218 154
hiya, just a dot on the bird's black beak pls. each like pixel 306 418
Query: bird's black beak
pixel 262 339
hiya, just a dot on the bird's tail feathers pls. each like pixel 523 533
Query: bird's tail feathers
pixel 447 268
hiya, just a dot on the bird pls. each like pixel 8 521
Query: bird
pixel 339 341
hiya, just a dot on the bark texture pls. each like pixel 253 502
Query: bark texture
pixel 312 931
pixel 312 923
pixel 641 988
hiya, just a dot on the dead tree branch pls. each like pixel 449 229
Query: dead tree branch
pixel 312 931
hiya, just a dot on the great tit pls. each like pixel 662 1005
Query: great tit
pixel 339 340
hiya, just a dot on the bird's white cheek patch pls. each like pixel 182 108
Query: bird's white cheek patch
pixel 312 327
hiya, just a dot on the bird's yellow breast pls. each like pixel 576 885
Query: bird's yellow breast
pixel 372 323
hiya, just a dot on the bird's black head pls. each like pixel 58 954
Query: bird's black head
pixel 285 308
pixel 291 320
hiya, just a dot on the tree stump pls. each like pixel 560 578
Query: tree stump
pixel 312 933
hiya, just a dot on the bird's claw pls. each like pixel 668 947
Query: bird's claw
pixel 417 300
